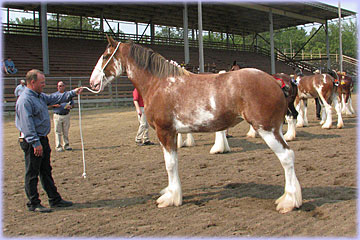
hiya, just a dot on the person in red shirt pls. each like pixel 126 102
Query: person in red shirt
pixel 142 136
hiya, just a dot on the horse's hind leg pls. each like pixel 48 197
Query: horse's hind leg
pixel 350 105
pixel 291 130
pixel 221 144
pixel 337 105
pixel 292 197
pixel 300 110
pixel 172 194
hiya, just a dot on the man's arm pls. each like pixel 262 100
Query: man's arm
pixel 137 106
pixel 55 98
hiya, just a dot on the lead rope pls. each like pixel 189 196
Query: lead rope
pixel 98 91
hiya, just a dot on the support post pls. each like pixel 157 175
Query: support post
pixel 186 35
pixel 201 49
pixel 272 54
pixel 44 38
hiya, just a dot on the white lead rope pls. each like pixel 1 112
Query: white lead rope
pixel 98 91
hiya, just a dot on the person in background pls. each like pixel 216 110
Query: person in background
pixel 62 121
pixel 142 136
pixel 10 66
pixel 20 88
pixel 33 121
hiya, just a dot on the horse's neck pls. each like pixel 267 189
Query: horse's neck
pixel 139 78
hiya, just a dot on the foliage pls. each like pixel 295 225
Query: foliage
pixel 72 22
pixel 289 40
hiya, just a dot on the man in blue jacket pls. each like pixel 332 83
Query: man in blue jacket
pixel 33 121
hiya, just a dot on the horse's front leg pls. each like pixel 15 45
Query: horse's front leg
pixel 172 194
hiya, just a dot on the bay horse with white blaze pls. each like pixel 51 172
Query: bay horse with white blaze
pixel 317 86
pixel 222 101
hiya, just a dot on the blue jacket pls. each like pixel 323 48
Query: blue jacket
pixel 32 115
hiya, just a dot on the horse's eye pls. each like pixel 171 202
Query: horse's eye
pixel 105 57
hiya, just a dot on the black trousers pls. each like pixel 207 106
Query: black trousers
pixel 318 107
pixel 36 167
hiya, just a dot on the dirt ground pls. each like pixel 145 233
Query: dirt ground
pixel 224 195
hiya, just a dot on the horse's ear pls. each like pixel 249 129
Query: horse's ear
pixel 111 41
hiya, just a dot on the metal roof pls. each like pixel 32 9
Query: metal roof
pixel 232 17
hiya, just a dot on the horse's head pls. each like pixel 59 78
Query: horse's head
pixel 108 66
pixel 235 66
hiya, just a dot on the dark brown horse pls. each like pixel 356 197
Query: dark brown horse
pixel 320 86
pixel 344 92
pixel 177 101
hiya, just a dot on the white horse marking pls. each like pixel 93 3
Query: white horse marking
pixel 212 102
pixel 292 196
pixel 221 144
pixel 171 79
pixel 202 116
pixel 180 127
pixel 324 78
pixel 172 194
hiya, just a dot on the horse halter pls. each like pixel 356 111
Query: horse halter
pixel 102 70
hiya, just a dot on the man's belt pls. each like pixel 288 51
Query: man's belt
pixel 62 113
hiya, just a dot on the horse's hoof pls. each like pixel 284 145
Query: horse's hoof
pixel 285 210
pixel 326 126
pixel 340 126
pixel 289 138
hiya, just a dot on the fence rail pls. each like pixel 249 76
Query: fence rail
pixel 118 93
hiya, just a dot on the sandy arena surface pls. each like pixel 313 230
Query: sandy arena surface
pixel 224 195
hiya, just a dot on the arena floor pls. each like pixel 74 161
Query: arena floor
pixel 230 194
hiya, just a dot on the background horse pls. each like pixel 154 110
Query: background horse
pixel 235 66
pixel 177 101
pixel 317 86
pixel 344 90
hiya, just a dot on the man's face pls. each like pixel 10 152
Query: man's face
pixel 39 84
pixel 61 87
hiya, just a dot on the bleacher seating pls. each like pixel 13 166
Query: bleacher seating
pixel 77 57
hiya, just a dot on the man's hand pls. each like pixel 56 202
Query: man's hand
pixel 38 151
pixel 139 112
pixel 78 90
pixel 56 105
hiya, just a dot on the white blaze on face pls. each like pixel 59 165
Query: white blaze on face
pixel 96 75
pixel 171 79
pixel 298 80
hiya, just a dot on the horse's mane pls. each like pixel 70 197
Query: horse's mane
pixel 156 64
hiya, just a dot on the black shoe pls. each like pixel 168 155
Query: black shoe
pixel 148 143
pixel 39 208
pixel 229 136
pixel 61 203
pixel 68 148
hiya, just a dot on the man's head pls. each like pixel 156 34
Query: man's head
pixel 35 80
pixel 61 86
